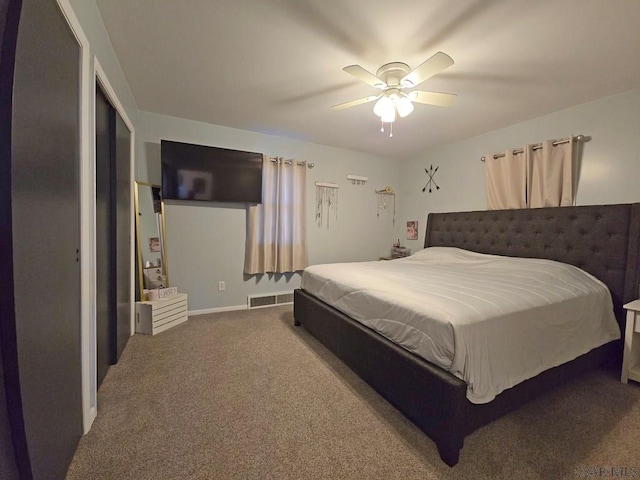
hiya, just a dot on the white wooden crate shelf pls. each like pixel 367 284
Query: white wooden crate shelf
pixel 153 317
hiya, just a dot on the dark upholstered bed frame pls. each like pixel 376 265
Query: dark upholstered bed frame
pixel 603 240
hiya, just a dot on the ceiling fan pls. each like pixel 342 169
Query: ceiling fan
pixel 393 79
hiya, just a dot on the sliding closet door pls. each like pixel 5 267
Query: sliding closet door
pixel 113 232
pixel 105 239
pixel 12 438
pixel 46 234
pixel 122 158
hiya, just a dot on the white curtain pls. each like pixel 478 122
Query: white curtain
pixel 276 229
pixel 536 176
pixel 506 178
pixel 551 174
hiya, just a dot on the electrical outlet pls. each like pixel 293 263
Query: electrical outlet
pixel 221 286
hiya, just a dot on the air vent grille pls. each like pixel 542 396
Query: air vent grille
pixel 269 300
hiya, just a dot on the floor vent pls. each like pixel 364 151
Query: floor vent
pixel 269 300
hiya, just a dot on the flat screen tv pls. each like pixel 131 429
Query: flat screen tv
pixel 210 174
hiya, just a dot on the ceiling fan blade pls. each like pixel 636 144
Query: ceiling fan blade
pixel 432 98
pixel 365 76
pixel 353 103
pixel 427 69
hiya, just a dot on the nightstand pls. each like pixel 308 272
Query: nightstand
pixel 631 358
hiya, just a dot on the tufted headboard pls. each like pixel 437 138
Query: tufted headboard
pixel 603 240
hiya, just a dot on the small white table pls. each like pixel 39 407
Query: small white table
pixel 631 357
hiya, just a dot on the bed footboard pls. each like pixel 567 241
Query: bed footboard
pixel 430 397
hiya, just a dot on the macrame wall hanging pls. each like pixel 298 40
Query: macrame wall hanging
pixel 386 203
pixel 326 202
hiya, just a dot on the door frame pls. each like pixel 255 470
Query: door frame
pixel 87 211
pixel 89 350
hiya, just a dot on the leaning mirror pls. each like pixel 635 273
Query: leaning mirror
pixel 150 239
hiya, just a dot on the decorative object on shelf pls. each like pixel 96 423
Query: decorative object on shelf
pixel 386 202
pixel 326 202
pixel 162 293
pixel 412 230
pixel 386 190
pixel 357 179
pixel 399 251
pixel 431 182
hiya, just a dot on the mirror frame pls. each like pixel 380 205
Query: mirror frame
pixel 144 296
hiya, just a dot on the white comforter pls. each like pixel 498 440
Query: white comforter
pixel 492 321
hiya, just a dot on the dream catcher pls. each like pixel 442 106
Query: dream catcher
pixel 326 202
pixel 386 203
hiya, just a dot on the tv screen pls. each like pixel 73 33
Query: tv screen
pixel 210 174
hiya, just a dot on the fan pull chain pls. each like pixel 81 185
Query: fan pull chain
pixel 390 128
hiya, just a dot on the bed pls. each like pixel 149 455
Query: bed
pixel 603 240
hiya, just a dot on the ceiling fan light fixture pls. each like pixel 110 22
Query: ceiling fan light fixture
pixel 383 106
pixel 389 116
pixel 404 106
pixel 392 78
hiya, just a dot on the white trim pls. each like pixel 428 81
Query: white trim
pixel 270 305
pixel 111 94
pixel 87 213
pixel 193 313
pixel 327 185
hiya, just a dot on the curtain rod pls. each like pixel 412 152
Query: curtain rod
pixel 538 146
pixel 289 162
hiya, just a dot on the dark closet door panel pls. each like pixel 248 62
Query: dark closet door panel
pixel 113 231
pixel 46 232
pixel 105 312
pixel 123 233
pixel 13 452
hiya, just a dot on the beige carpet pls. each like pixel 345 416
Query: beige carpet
pixel 246 395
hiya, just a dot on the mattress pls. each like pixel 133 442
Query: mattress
pixel 492 321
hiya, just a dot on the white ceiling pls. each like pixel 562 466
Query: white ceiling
pixel 275 66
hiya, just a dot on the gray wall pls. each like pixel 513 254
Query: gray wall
pixel 609 171
pixel 100 45
pixel 205 243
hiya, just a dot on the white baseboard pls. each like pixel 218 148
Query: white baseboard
pixel 214 310
pixel 232 308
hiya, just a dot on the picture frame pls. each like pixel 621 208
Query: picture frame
pixel 154 244
pixel 412 230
